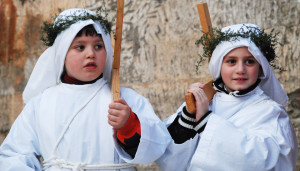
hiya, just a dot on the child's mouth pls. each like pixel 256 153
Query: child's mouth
pixel 90 65
pixel 240 79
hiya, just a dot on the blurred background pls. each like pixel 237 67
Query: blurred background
pixel 158 48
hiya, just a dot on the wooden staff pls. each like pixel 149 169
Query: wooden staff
pixel 115 84
pixel 208 88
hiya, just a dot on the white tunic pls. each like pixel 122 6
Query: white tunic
pixel 251 132
pixel 89 137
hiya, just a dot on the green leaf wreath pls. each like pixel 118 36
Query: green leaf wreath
pixel 51 30
pixel 266 42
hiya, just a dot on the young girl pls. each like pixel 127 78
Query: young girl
pixel 245 126
pixel 68 118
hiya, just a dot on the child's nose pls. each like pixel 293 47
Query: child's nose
pixel 240 68
pixel 90 53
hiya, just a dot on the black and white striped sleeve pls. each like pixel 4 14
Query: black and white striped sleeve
pixel 182 128
pixel 185 126
pixel 200 125
pixel 187 120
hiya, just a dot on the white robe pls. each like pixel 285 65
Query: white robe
pixel 89 138
pixel 243 133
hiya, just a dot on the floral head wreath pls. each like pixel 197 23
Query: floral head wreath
pixel 51 30
pixel 266 42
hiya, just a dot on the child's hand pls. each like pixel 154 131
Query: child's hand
pixel 118 113
pixel 202 102
pixel 195 85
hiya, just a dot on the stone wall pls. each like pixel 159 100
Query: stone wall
pixel 158 48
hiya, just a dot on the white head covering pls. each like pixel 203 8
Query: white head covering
pixel 49 67
pixel 269 83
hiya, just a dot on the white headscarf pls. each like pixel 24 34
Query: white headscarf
pixel 269 83
pixel 49 67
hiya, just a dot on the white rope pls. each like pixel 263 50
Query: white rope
pixel 83 166
pixel 61 163
pixel 73 116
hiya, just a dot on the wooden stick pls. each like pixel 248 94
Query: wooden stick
pixel 204 17
pixel 208 88
pixel 115 84
pixel 112 39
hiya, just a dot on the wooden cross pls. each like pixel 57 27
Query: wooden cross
pixel 115 81
pixel 208 88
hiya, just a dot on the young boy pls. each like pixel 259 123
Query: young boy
pixel 69 119
pixel 245 126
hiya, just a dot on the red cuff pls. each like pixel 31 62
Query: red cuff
pixel 131 127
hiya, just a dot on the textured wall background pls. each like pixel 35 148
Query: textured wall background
pixel 158 50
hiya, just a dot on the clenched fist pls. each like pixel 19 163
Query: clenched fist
pixel 118 113
pixel 202 102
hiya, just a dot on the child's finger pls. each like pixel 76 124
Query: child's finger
pixel 197 95
pixel 195 91
pixel 112 123
pixel 113 112
pixel 116 105
pixel 202 94
pixel 201 85
pixel 196 85
pixel 120 100
pixel 112 118
pixel 119 104
pixel 123 102
pixel 192 89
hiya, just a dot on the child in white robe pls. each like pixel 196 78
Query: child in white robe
pixel 245 126
pixel 69 119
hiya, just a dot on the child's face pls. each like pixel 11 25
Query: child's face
pixel 86 57
pixel 239 69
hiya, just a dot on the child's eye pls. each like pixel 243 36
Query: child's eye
pixel 250 61
pixel 81 47
pixel 100 46
pixel 231 61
